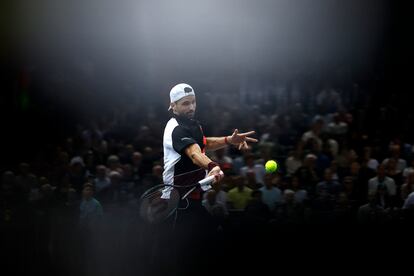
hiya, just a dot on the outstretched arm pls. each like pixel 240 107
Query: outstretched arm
pixel 236 139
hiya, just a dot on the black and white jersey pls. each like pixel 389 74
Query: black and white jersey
pixel 180 133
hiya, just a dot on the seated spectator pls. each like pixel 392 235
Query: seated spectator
pixel 408 187
pixel 393 172
pixel 307 174
pixel 301 195
pixel 25 180
pixel 257 212
pixel 101 181
pixel 372 213
pixel 371 162
pixel 77 173
pixel 293 163
pixel 271 196
pixel 257 170
pixel 90 208
pixel 290 211
pixel 337 127
pixel 408 170
pixel 395 152
pixel 382 179
pixel 328 186
pixel 240 195
pixel 216 208
pixel 220 195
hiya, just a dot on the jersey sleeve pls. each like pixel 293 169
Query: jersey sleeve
pixel 181 139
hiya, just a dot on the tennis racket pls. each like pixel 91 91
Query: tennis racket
pixel 162 201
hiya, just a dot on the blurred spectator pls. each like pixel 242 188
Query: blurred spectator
pixel 256 212
pixel 409 202
pixel 307 174
pixel 371 162
pixel 383 180
pixel 337 127
pixel 314 132
pixel 220 156
pixel 271 196
pixel 293 162
pixel 408 187
pixel 393 172
pixel 290 211
pixel 25 180
pixel 90 208
pixel 216 208
pixel 136 165
pixel 371 213
pixel 77 173
pixel 301 195
pixel 101 181
pixel 220 195
pixel 328 186
pixel 240 195
pixel 252 169
pixel 395 152
pixel 113 163
pixel 408 170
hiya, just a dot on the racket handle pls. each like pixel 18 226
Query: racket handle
pixel 207 180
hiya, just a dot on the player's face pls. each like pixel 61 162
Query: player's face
pixel 186 107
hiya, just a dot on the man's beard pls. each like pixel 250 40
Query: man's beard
pixel 190 115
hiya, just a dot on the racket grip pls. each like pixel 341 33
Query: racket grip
pixel 207 180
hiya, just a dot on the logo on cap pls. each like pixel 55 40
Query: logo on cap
pixel 188 90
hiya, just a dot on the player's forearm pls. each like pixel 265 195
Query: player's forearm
pixel 197 157
pixel 200 160
pixel 215 143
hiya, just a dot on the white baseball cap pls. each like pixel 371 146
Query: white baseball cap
pixel 180 91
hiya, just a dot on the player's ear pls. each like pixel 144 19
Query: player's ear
pixel 173 105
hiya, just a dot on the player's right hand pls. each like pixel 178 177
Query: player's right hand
pixel 218 173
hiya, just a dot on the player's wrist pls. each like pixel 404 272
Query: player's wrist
pixel 212 165
pixel 227 140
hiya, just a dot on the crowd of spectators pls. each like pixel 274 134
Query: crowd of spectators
pixel 82 195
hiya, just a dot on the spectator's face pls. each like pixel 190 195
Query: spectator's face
pixel 392 164
pixel 395 151
pixel 355 168
pixel 185 107
pixel 157 170
pixel 381 171
pixel 268 180
pixel 348 184
pixel 101 171
pixel 87 193
pixel 136 158
pixel 328 175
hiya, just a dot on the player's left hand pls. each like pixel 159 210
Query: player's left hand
pixel 240 139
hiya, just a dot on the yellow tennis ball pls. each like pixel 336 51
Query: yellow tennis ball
pixel 271 166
